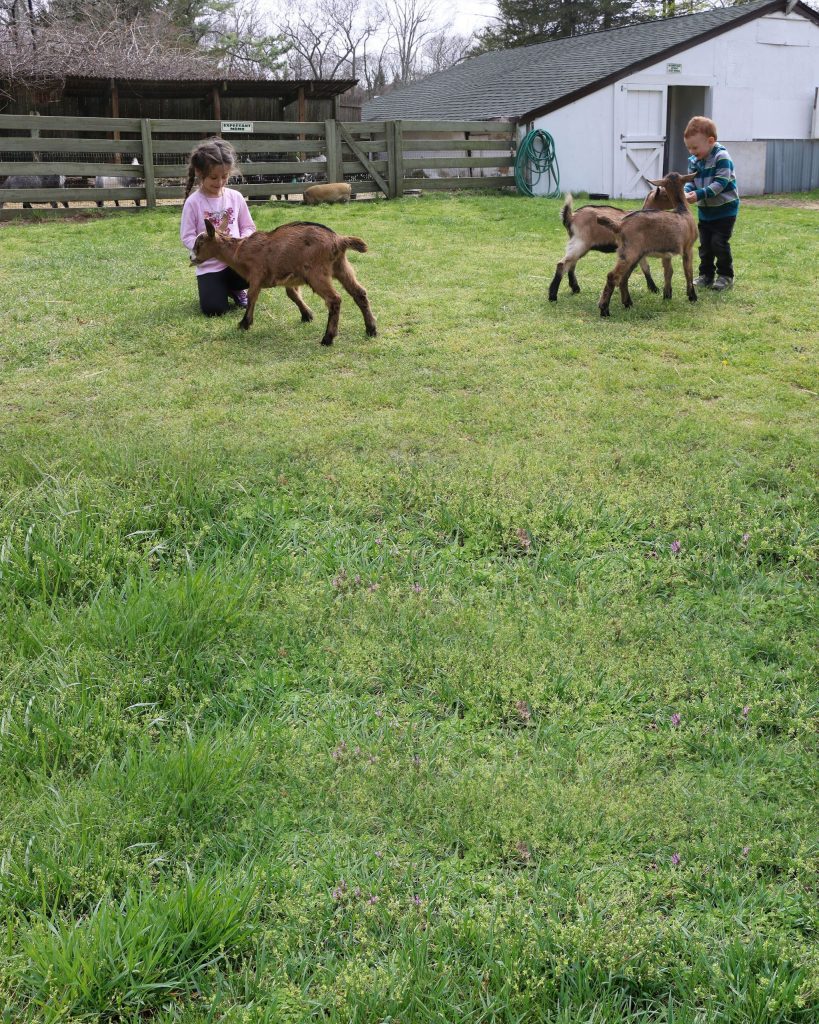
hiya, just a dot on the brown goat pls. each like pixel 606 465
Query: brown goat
pixel 290 256
pixel 653 233
pixel 586 234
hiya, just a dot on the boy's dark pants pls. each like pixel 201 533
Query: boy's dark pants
pixel 715 246
pixel 214 290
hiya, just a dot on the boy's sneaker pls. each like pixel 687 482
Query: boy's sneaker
pixel 722 284
pixel 704 282
pixel 240 298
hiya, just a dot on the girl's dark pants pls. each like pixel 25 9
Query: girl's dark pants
pixel 215 288
pixel 715 246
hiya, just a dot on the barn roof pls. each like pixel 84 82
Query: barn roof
pixel 528 81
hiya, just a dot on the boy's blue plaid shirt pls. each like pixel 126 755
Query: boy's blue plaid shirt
pixel 715 184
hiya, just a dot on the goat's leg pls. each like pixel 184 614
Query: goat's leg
pixel 688 269
pixel 344 273
pixel 252 295
pixel 574 252
pixel 294 294
pixel 668 271
pixel 625 294
pixel 652 287
pixel 612 279
pixel 322 284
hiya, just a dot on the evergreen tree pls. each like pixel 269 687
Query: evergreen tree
pixel 523 22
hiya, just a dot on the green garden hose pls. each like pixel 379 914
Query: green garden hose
pixel 536 157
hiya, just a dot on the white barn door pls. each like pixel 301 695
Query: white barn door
pixel 642 137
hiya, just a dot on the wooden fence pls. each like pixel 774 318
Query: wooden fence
pixel 276 157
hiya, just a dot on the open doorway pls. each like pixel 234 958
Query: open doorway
pixel 684 102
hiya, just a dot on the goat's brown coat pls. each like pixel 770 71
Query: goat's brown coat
pixel 290 256
pixel 653 233
pixel 587 234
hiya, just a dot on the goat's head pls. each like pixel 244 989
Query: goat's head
pixel 207 242
pixel 673 184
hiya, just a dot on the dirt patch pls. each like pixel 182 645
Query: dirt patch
pixel 801 204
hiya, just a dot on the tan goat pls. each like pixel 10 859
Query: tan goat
pixel 334 192
pixel 586 235
pixel 653 233
pixel 290 256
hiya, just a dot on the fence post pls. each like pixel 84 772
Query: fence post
pixel 333 151
pixel 148 163
pixel 399 158
pixel 390 139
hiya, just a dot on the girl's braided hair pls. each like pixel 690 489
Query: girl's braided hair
pixel 214 152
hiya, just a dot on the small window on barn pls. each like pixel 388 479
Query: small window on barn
pixel 782 32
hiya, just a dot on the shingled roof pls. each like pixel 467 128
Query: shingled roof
pixel 532 80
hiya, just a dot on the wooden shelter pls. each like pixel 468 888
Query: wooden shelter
pixel 192 97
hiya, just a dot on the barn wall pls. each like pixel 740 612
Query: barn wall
pixel 584 143
pixel 763 76
pixel 761 79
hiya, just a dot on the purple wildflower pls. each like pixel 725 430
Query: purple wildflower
pixel 745 538
pixel 746 850
pixel 746 710
pixel 379 854
pixel 416 588
pixel 372 588
pixel 675 859
pixel 675 547
pixel 373 899
pixel 676 718
pixel 416 900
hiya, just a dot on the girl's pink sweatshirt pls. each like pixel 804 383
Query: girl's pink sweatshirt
pixel 198 208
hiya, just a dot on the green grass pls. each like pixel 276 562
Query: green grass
pixel 337 685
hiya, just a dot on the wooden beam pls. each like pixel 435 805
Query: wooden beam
pixel 115 113
pixel 362 156
pixel 217 103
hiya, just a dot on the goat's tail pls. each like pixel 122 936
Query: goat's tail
pixel 567 212
pixel 351 242
pixel 612 225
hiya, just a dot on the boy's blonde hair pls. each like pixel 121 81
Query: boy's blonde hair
pixel 700 126
pixel 213 152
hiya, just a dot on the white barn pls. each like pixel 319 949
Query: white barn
pixel 616 102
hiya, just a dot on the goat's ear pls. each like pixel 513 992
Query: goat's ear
pixel 223 223
pixel 656 184
pixel 210 229
pixel 687 177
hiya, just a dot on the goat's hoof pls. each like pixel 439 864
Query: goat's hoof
pixel 552 298
pixel 326 340
pixel 306 318
pixel 628 304
pixel 666 295
pixel 575 288
pixel 243 324
pixel 372 332
pixel 604 311
pixel 652 287
pixel 692 296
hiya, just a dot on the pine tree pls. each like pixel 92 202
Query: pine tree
pixel 523 22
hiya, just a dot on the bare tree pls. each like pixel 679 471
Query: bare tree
pixel 411 24
pixel 241 42
pixel 327 38
pixel 443 49
pixel 102 42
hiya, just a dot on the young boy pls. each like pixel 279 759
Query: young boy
pixel 714 190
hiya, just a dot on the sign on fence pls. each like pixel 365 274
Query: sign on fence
pixel 235 127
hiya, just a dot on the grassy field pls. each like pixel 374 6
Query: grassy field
pixel 463 674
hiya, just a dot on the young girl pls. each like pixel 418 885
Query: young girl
pixel 211 164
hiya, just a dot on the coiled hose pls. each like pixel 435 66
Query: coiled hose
pixel 536 156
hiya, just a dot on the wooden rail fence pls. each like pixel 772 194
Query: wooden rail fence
pixel 276 157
